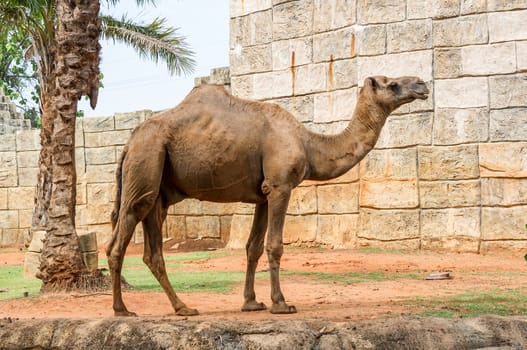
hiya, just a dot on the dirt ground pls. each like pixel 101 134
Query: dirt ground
pixel 313 299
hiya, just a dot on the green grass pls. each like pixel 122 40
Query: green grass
pixel 353 277
pixel 12 280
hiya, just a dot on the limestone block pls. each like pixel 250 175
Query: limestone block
pixel 333 14
pixel 489 59
pixel 514 30
pixel 27 176
pixel 503 223
pixel 80 161
pixel 416 63
pixel 81 195
pixel 254 29
pixel 252 59
pixel 508 91
pixel 242 8
pixel 87 240
pixel 397 245
pixel 107 138
pixel 8 171
pixel 90 260
pixel 100 173
pixel 409 35
pixel 28 159
pixel 438 223
pixel 283 51
pixel 245 209
pixel 521 55
pixel 37 243
pixel 31 264
pixel 473 6
pixel 303 201
pixel 104 232
pixel 448 163
pixel 98 124
pixel 451 244
pixel 272 85
pixel 500 5
pixel 7 142
pixel 28 140
pixel 129 120
pixel 100 193
pixel 98 214
pixel 240 229
pixel 369 40
pixel 432 8
pixel 392 194
pixel 446 194
pixel 20 198
pixel 3 198
pixel 300 229
pixel 388 225
pixel 243 86
pixel 79 134
pixel 503 159
pixel 225 228
pixel 176 227
pixel 460 31
pixel 203 226
pixel 508 124
pixel 345 73
pixel 187 207
pixel 503 192
pixel 504 247
pixel 336 44
pixel 9 219
pixel 335 105
pixel 25 217
pixel 447 63
pixel 455 126
pixel 338 199
pixel 330 128
pixel 102 155
pixel 211 208
pixel 380 11
pixel 311 78
pixel 338 231
pixel 406 130
pixel 390 164
pixel 292 19
pixel 301 107
pixel 462 93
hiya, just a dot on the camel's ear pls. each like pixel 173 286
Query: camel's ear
pixel 373 83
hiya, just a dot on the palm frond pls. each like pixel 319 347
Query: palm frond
pixel 138 2
pixel 154 40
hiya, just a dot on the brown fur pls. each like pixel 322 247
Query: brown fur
pixel 216 147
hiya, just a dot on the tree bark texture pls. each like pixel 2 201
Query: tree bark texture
pixel 73 75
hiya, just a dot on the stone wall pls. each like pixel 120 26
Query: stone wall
pixel 10 119
pixel 447 173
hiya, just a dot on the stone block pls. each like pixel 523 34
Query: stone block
pixel 253 29
pixel 252 59
pixel 271 85
pixel 303 201
pixel 446 194
pixel 345 73
pixel 447 63
pixel 242 8
pixel 87 240
pixel 300 229
pixel 334 105
pixel 98 124
pixel 80 161
pixel 240 230
pixel 203 226
pixel 432 8
pixel 503 247
pixel 176 227
pixel 90 260
pixel 330 128
pixel 20 198
pixel 406 130
pixel 415 63
pixel 187 207
pixel 37 243
pixel 28 140
pixel 521 55
pixel 508 91
pixel 448 163
pixel 243 86
pixel 503 223
pixel 81 195
pixel 503 159
pixel 455 126
pixel 500 5
pixel 100 173
pixel 338 231
pixel 514 30
pixel 398 245
pixel 9 219
pixel 451 244
pixel 211 208
pixel 101 155
pixel 461 31
pixel 473 6
pixel 388 194
pixel 451 222
pixel 107 138
pixel 7 142
pixel 369 40
pixel 27 176
pixel 98 214
pixel 390 164
pixel 79 134
pixel 225 228
pixel 311 78
pixel 338 199
pixel 389 225
pixel 333 14
pixel 409 36
pixel 130 120
pixel 292 19
pixel 489 59
pixel 508 124
pixel 3 198
pixel 301 107
pixel 104 233
pixel 100 193
pixel 462 93
pixel 503 192
pixel 8 171
pixel 284 50
pixel 31 264
pixel 336 44
pixel 28 159
pixel 380 11
pixel 25 217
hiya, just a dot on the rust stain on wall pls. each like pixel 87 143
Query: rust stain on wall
pixel 330 86
pixel 352 49
pixel 243 6
pixel 293 81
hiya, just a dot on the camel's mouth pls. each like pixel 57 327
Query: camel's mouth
pixel 421 95
pixel 421 91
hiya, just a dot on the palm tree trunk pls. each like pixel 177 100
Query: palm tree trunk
pixel 75 74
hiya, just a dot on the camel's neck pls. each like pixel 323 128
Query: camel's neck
pixel 330 156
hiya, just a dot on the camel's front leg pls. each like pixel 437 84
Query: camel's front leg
pixel 278 200
pixel 254 248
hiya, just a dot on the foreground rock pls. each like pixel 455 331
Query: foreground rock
pixel 157 333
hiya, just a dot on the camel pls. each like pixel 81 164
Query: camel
pixel 217 147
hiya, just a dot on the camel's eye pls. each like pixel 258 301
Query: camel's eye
pixel 394 86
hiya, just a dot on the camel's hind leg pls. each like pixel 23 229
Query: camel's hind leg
pixel 153 256
pixel 254 248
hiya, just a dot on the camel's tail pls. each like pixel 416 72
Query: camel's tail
pixel 117 205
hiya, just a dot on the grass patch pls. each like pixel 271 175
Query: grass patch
pixel 502 302
pixel 11 278
pixel 353 277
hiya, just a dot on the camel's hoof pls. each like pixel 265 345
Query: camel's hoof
pixel 253 306
pixel 282 308
pixel 125 313
pixel 186 311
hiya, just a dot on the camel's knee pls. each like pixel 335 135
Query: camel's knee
pixel 275 251
pixel 254 250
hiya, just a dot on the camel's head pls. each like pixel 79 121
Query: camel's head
pixel 391 93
